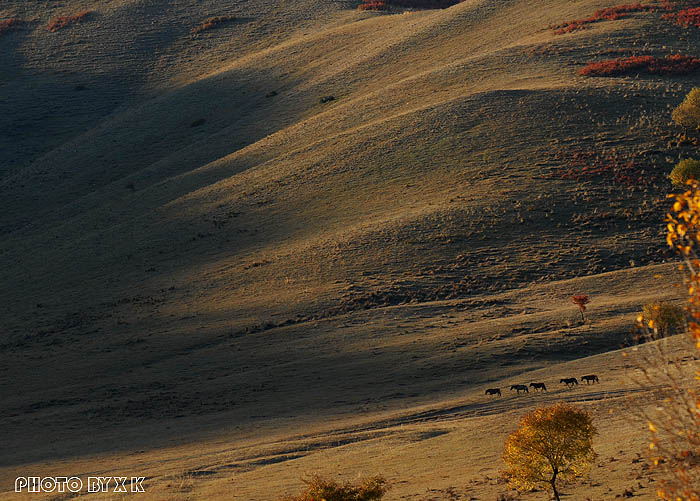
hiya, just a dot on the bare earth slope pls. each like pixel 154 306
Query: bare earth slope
pixel 308 217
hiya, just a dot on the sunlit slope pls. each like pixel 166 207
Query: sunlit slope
pixel 434 147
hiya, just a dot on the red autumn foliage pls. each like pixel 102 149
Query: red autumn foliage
pixel 425 4
pixel 580 300
pixel 61 22
pixel 685 17
pixel 671 65
pixel 373 5
pixel 11 23
pixel 607 14
pixel 411 4
pixel 211 23
pixel 625 169
pixel 674 5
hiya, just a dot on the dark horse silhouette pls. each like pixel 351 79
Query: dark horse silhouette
pixel 591 378
pixel 493 391
pixel 569 381
pixel 519 387
pixel 538 386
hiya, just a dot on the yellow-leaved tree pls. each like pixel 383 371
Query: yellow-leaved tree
pixel 675 424
pixel 551 443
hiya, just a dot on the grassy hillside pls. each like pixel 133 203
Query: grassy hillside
pixel 310 212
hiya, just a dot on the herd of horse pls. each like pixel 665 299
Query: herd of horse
pixel 570 382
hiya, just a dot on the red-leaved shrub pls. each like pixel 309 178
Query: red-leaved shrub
pixel 425 4
pixel 411 4
pixel 212 22
pixel 685 17
pixel 61 22
pixel 671 65
pixel 13 22
pixel 631 170
pixel 677 5
pixel 607 14
pixel 373 5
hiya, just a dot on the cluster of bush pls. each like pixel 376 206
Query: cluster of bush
pixel 211 23
pixel 409 4
pixel 682 12
pixel 607 14
pixel 373 5
pixel 687 115
pixel 323 489
pixel 55 24
pixel 60 22
pixel 685 17
pixel 625 169
pixel 676 64
pixel 12 23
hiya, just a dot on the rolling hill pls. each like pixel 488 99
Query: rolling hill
pixel 310 236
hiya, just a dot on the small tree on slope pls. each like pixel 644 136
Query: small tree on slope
pixel 581 300
pixel 551 443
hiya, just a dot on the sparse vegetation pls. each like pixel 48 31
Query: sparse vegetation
pixel 687 114
pixel 322 489
pixel 665 318
pixel 211 23
pixel 550 443
pixel 684 171
pixel 61 22
pixel 672 65
pixel 624 169
pixel 183 482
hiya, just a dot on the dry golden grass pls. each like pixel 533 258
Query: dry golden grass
pixel 258 294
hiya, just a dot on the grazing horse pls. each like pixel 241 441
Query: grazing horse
pixel 569 381
pixel 493 391
pixel 519 387
pixel 591 378
pixel 538 386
